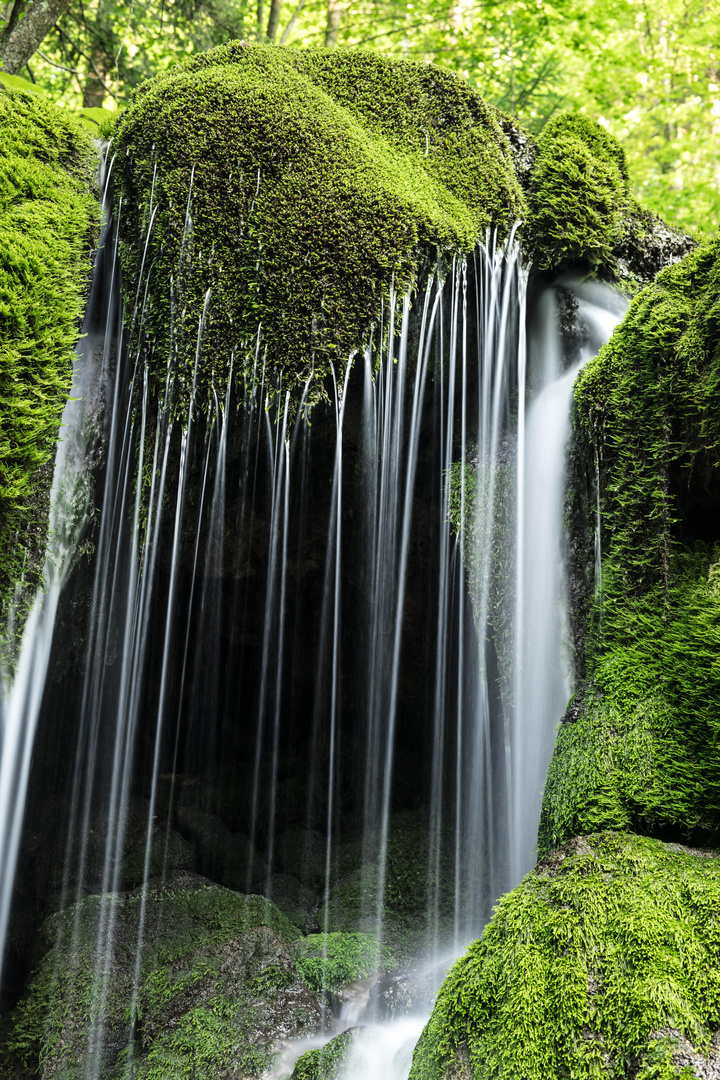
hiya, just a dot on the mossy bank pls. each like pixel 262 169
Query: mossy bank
pixel 638 749
pixel 603 962
pixel 49 217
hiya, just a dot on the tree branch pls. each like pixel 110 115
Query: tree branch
pixel 21 38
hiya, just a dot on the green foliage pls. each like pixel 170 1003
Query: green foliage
pixel 313 180
pixel 643 751
pixel 203 1042
pixel 329 961
pixel 578 194
pixel 608 943
pixel 48 221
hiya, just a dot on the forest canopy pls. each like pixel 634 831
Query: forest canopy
pixel 649 72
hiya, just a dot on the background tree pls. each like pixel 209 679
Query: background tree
pixel 647 69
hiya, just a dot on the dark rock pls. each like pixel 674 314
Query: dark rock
pixel 648 245
pixel 222 855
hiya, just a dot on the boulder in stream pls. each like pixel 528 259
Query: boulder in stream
pixel 214 989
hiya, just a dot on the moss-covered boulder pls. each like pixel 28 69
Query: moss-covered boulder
pixel 297 187
pixel 214 991
pixel 327 1062
pixel 578 194
pixel 48 227
pixel 603 962
pixel 639 749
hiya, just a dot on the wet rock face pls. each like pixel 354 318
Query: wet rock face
pixel 648 245
pixel 214 989
pixel 401 993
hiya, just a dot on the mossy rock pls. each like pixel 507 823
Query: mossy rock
pixel 49 217
pixel 298 187
pixel 578 194
pixel 216 988
pixel 603 962
pixel 641 751
pixel 327 1062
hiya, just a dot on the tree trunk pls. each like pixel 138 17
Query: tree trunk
pixel 93 91
pixel 334 15
pixel 22 36
pixel 274 19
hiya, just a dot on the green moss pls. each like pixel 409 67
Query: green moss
pixel 330 961
pixel 578 194
pixel 313 181
pixel 596 965
pixel 207 952
pixel 643 752
pixel 48 218
pixel 327 1062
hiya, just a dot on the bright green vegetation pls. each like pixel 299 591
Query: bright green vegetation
pixel 642 753
pixel 297 187
pixel 650 72
pixel 327 1062
pixel 594 966
pixel 48 222
pixel 330 961
pixel 579 193
pixel 217 983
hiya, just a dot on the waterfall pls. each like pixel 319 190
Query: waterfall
pixel 543 677
pixel 314 643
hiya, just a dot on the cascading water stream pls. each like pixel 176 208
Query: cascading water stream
pixel 256 583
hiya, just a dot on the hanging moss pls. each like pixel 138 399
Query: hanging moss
pixel 578 194
pixel 603 962
pixel 296 186
pixel 48 221
pixel 642 752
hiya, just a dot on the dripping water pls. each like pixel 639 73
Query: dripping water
pixel 444 408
